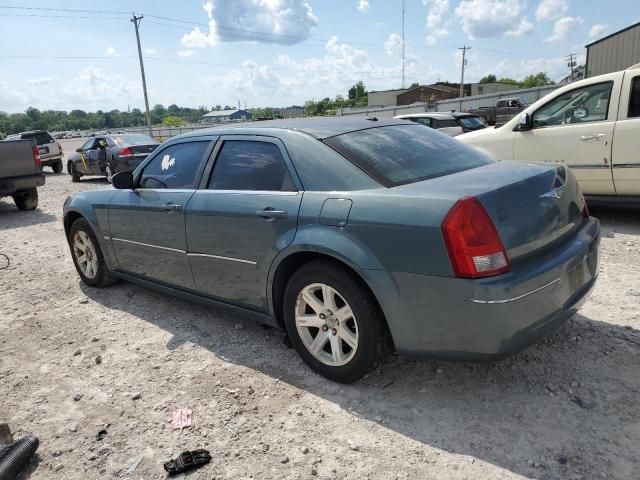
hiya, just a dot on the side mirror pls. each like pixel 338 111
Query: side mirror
pixel 524 122
pixel 122 181
pixel 78 150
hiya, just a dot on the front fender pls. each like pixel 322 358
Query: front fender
pixel 96 213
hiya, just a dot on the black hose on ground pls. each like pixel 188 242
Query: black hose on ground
pixel 14 456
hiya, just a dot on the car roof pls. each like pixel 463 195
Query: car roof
pixel 318 127
pixel 436 115
pixel 32 132
pixel 463 115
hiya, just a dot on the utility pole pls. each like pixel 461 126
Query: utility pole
pixel 464 64
pixel 571 62
pixel 136 21
pixel 403 10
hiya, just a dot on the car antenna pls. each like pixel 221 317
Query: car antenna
pixel 373 119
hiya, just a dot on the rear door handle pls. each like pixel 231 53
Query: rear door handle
pixel 172 207
pixel 270 213
pixel 594 137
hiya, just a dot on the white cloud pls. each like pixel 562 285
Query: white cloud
pixel 286 22
pixel 597 30
pixel 41 81
pixel 149 51
pixel 111 52
pixel 184 53
pixel 437 9
pixel 363 6
pixel 551 9
pixel 493 18
pixel 562 27
pixel 393 45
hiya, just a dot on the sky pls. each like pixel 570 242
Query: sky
pixel 76 54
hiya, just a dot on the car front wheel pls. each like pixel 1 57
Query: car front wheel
pixel 334 322
pixel 87 256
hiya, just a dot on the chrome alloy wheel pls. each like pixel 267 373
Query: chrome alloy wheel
pixel 85 253
pixel 326 325
pixel 108 172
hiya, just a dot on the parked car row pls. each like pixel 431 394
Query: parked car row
pixel 452 124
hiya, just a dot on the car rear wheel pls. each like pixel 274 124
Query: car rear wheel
pixel 334 322
pixel 26 199
pixel 87 256
pixel 71 168
pixel 57 166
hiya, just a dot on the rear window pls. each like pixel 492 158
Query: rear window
pixel 41 138
pixel 122 140
pixel 397 155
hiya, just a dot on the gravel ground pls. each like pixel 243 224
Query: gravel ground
pixel 76 360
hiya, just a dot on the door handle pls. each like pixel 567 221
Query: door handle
pixel 271 214
pixel 594 137
pixel 172 207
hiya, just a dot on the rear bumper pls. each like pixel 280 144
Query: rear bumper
pixel 47 162
pixel 10 185
pixel 460 319
pixel 128 164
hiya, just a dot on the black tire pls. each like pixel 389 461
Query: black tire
pixel 373 342
pixel 103 276
pixel 57 167
pixel 71 168
pixel 26 199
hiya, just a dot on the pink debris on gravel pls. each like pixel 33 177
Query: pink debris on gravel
pixel 181 418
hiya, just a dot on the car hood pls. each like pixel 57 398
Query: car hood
pixel 477 133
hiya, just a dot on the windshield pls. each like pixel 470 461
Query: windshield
pixel 397 155
pixel 122 140
pixel 471 123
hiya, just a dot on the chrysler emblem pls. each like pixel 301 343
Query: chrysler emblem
pixel 554 193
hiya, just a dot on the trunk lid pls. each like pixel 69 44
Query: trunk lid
pixel 533 206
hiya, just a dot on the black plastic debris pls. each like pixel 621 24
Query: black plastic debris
pixel 14 456
pixel 187 460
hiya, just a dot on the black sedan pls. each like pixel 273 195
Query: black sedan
pixel 105 155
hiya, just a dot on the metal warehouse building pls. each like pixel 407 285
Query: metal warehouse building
pixel 614 52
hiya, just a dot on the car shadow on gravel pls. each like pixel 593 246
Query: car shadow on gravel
pixel 564 408
pixel 11 217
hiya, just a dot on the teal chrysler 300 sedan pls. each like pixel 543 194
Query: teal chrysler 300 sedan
pixel 355 235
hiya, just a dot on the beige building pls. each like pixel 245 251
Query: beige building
pixel 384 98
pixel 614 52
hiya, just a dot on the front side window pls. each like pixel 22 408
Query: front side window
pixel 88 144
pixel 582 105
pixel 443 123
pixel 175 166
pixel 249 165
pixel 421 121
pixel 471 123
pixel 634 100
pixel 397 155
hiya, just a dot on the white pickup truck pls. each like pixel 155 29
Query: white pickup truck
pixel 593 126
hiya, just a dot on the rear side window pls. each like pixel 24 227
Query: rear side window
pixel 634 100
pixel 41 138
pixel 248 165
pixel 444 123
pixel 174 167
pixel 397 155
pixel 421 121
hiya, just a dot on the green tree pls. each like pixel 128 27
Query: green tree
pixel 357 93
pixel 490 78
pixel 538 80
pixel 172 121
pixel 414 85
pixel 509 80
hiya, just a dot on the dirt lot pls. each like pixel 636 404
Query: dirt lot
pixel 76 360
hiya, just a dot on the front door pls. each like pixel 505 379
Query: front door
pixel 575 129
pixel 147 225
pixel 246 214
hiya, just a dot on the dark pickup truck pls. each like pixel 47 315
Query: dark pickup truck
pixel 20 172
pixel 505 110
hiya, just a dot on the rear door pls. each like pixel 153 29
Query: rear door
pixel 244 214
pixel 626 154
pixel 147 224
pixel 576 129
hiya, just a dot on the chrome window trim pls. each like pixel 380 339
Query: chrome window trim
pixel 589 166
pixel 252 192
pixel 231 259
pixel 626 165
pixel 513 299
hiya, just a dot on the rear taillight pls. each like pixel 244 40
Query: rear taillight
pixel 126 152
pixel 472 241
pixel 36 157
